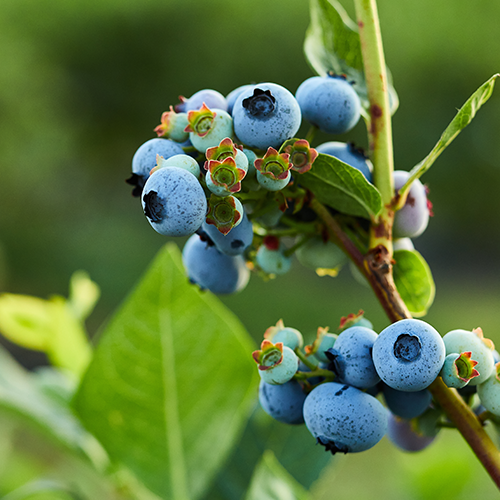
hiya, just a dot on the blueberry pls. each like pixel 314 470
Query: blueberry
pixel 489 392
pixel 330 103
pixel 406 404
pixel 402 434
pixel 283 402
pixel 183 161
pixel 212 270
pixel 349 154
pixel 266 115
pixel 459 369
pixel 174 202
pixel 236 241
pixel 319 254
pixel 211 98
pixel 144 160
pixel 277 362
pixel 351 357
pixel 412 220
pixel 343 418
pixel 408 355
pixel 458 341
pixel 291 337
pixel 233 95
pixel 271 258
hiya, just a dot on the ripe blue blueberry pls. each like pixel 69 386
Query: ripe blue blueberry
pixel 283 402
pixel 211 98
pixel 330 103
pixel 412 220
pixel 402 434
pixel 233 95
pixel 408 355
pixel 174 202
pixel 211 269
pixel 144 160
pixel 266 115
pixel 406 404
pixel 351 357
pixel 349 154
pixel 236 241
pixel 343 418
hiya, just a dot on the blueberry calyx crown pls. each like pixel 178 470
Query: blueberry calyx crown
pixel 407 347
pixel 260 104
pixel 331 446
pixel 269 355
pixel 154 206
pixel 138 182
pixel 464 365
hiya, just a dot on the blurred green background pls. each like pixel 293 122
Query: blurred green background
pixel 83 84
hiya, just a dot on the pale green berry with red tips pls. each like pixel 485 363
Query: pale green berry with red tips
pixel 185 162
pixel 277 363
pixel 173 126
pixel 489 392
pixel 271 258
pixel 458 369
pixel 224 178
pixel 273 170
pixel 480 347
pixel 207 128
pixel 290 337
pixel 302 156
pixel 226 149
pixel 321 344
pixel 354 319
pixel 224 213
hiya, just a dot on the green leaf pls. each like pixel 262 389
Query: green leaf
pixel 414 281
pixel 21 397
pixel 342 187
pixel 46 325
pixel 293 446
pixel 464 116
pixel 332 44
pixel 171 382
pixel 272 482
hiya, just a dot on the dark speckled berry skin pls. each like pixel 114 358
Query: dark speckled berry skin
pixel 236 241
pixel 266 115
pixel 406 404
pixel 174 202
pixel 283 402
pixel 343 418
pixel 408 355
pixel 352 361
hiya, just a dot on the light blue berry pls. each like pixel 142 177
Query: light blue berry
pixel 352 357
pixel 211 98
pixel 330 103
pixel 343 418
pixel 266 115
pixel 408 355
pixel 283 402
pixel 174 202
pixel 211 269
pixel 282 372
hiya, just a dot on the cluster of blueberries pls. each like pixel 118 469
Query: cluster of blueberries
pixel 226 172
pixel 335 385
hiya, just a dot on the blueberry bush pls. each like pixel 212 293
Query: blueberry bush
pixel 164 403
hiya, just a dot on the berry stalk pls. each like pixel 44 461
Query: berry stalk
pixel 379 119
